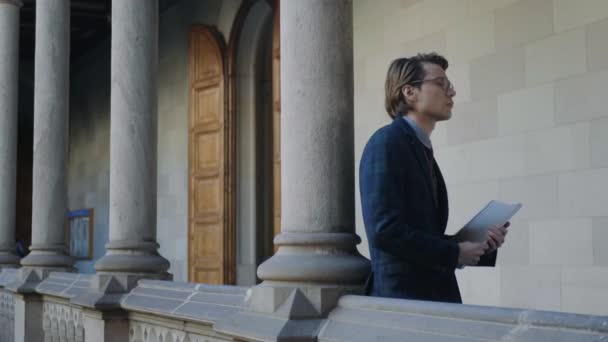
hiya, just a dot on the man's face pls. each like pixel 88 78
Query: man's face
pixel 434 96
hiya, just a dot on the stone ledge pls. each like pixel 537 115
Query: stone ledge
pixel 194 302
pixel 7 276
pixel 360 318
pixel 64 285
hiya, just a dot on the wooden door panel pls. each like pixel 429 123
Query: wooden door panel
pixel 207 276
pixel 208 259
pixel 208 152
pixel 208 105
pixel 207 199
pixel 207 240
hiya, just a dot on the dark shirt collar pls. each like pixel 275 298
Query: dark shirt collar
pixel 420 133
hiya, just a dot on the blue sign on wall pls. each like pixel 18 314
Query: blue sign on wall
pixel 80 233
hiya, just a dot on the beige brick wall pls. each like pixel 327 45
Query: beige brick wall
pixel 530 125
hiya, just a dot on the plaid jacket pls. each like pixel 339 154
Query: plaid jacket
pixel 405 225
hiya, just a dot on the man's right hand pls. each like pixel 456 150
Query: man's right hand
pixel 470 252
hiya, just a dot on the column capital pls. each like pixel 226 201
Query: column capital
pixel 17 3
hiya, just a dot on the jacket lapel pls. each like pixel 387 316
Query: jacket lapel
pixel 442 193
pixel 418 150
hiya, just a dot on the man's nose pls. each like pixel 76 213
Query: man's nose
pixel 451 92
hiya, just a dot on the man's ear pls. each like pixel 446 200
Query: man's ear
pixel 409 93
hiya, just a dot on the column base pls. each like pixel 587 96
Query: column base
pixel 316 258
pixel 48 256
pixel 9 260
pixel 125 263
pixel 303 282
pixel 132 257
pixel 132 263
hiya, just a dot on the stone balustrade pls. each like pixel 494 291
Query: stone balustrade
pixel 186 312
pixel 180 312
pixel 359 318
pixel 62 321
pixel 152 311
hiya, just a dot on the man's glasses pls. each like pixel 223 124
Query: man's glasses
pixel 441 81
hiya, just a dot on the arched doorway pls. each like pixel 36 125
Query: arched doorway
pixel 251 55
pixel 234 205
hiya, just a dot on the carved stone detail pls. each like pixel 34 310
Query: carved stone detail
pixel 150 332
pixel 62 323
pixel 7 317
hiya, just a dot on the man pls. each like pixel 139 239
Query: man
pixel 403 194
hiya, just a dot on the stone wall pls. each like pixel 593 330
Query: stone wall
pixel 89 151
pixel 529 125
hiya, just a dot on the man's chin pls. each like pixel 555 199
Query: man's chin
pixel 443 116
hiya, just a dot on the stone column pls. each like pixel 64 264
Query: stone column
pixel 9 85
pixel 51 114
pixel 51 118
pixel 317 260
pixel 132 250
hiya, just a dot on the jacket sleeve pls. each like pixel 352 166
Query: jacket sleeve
pixel 381 186
pixel 488 259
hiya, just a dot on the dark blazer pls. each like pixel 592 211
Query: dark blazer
pixel 411 255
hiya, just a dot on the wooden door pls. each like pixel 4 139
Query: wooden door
pixel 210 258
pixel 276 118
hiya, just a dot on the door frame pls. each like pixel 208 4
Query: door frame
pixel 232 55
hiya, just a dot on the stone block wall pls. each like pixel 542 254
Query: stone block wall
pixel 529 125
pixel 89 146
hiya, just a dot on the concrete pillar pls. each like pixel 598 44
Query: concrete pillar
pixel 317 240
pixel 51 113
pixel 104 326
pixel 317 260
pixel 51 117
pixel 132 250
pixel 9 85
pixel 28 318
